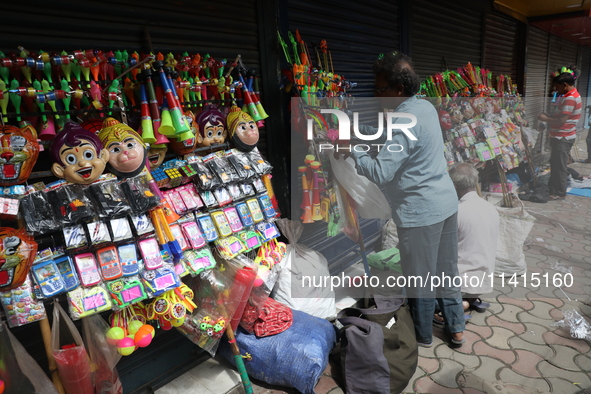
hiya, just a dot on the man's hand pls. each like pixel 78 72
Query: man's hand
pixel 342 149
pixel 544 118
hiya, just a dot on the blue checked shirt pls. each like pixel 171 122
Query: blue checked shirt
pixel 415 179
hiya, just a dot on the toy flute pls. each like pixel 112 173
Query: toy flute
pixel 153 102
pixel 174 109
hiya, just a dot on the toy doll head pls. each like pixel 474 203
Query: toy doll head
pixel 456 115
pixel 17 252
pixel 187 146
pixel 78 155
pixel 19 150
pixel 212 126
pixel 243 129
pixel 156 155
pixel 467 110
pixel 444 119
pixel 127 151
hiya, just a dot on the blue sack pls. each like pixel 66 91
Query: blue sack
pixel 294 358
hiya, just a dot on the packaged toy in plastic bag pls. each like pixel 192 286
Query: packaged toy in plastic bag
pixel 109 198
pixel 102 356
pixel 20 305
pixel 261 166
pixel 70 205
pixel 70 354
pixel 20 373
pixel 37 213
pixel 139 194
pixel 216 305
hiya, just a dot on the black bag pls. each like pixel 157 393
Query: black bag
pixel 378 349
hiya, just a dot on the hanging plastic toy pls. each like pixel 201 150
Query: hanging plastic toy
pixel 187 146
pixel 17 252
pixel 243 129
pixel 127 151
pixel 78 155
pixel 19 150
pixel 212 126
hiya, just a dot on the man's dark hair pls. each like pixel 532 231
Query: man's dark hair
pixel 398 69
pixel 567 78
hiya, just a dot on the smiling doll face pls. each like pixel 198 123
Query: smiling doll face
pixel 127 151
pixel 82 163
pixel 78 155
pixel 212 126
pixel 127 155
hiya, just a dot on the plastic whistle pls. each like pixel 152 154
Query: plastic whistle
pixel 4 101
pixel 15 99
pixel 66 100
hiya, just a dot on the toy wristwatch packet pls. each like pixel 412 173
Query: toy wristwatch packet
pixel 70 354
pixel 69 204
pixel 109 198
pixel 140 194
pixel 37 213
pixel 20 373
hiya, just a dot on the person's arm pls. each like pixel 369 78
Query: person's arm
pixel 558 119
pixel 382 169
pixel 566 109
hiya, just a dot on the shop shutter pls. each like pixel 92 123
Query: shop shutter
pixel 444 35
pixel 561 53
pixel 223 29
pixel 355 33
pixel 536 74
pixel 582 83
pixel 501 45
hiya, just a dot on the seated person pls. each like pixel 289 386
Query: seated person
pixel 478 231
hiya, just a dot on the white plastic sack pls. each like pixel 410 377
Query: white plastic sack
pixel 300 263
pixel 514 227
pixel 371 202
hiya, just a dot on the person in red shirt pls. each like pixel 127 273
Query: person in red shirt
pixel 563 131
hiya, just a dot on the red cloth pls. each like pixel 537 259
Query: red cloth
pixel 273 318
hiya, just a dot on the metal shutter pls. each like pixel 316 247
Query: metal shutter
pixel 500 45
pixel 355 33
pixel 444 35
pixel 582 82
pixel 561 53
pixel 536 74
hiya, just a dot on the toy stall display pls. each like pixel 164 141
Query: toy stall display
pixel 482 121
pixel 147 207
pixel 313 80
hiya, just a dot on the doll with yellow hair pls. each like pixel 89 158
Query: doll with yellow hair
pixel 127 151
pixel 243 130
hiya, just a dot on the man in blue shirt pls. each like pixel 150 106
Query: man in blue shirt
pixel 423 197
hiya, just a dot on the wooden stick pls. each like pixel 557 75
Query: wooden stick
pixel 55 376
pixel 238 358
